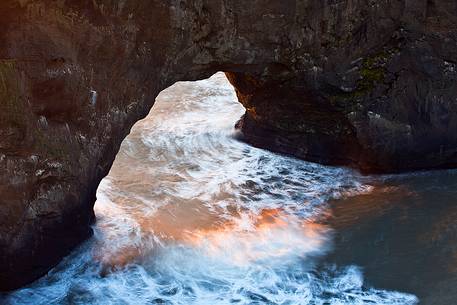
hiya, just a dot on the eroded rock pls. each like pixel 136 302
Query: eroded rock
pixel 370 84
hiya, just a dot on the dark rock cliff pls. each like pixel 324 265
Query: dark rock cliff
pixel 365 83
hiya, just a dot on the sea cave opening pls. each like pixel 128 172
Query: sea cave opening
pixel 189 214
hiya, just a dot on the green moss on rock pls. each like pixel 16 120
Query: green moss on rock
pixel 12 110
pixel 372 73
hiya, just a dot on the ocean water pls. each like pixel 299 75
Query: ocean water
pixel 189 214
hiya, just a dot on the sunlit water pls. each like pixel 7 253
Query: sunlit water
pixel 191 215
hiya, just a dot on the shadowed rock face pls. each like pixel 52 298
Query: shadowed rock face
pixel 369 84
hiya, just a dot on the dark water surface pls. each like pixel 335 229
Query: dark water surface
pixel 191 215
pixel 403 234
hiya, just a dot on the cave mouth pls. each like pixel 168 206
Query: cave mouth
pixel 188 213
pixel 153 181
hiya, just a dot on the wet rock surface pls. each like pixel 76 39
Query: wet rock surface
pixel 370 84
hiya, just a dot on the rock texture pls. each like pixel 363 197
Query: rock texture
pixel 365 83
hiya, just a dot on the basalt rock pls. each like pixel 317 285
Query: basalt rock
pixel 370 84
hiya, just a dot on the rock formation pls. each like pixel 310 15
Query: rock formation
pixel 364 83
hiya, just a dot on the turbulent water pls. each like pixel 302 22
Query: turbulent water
pixel 191 215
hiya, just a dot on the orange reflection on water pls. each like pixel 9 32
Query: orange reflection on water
pixel 245 238
pixel 136 235
pixel 270 234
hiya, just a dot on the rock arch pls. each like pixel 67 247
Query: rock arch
pixel 370 84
